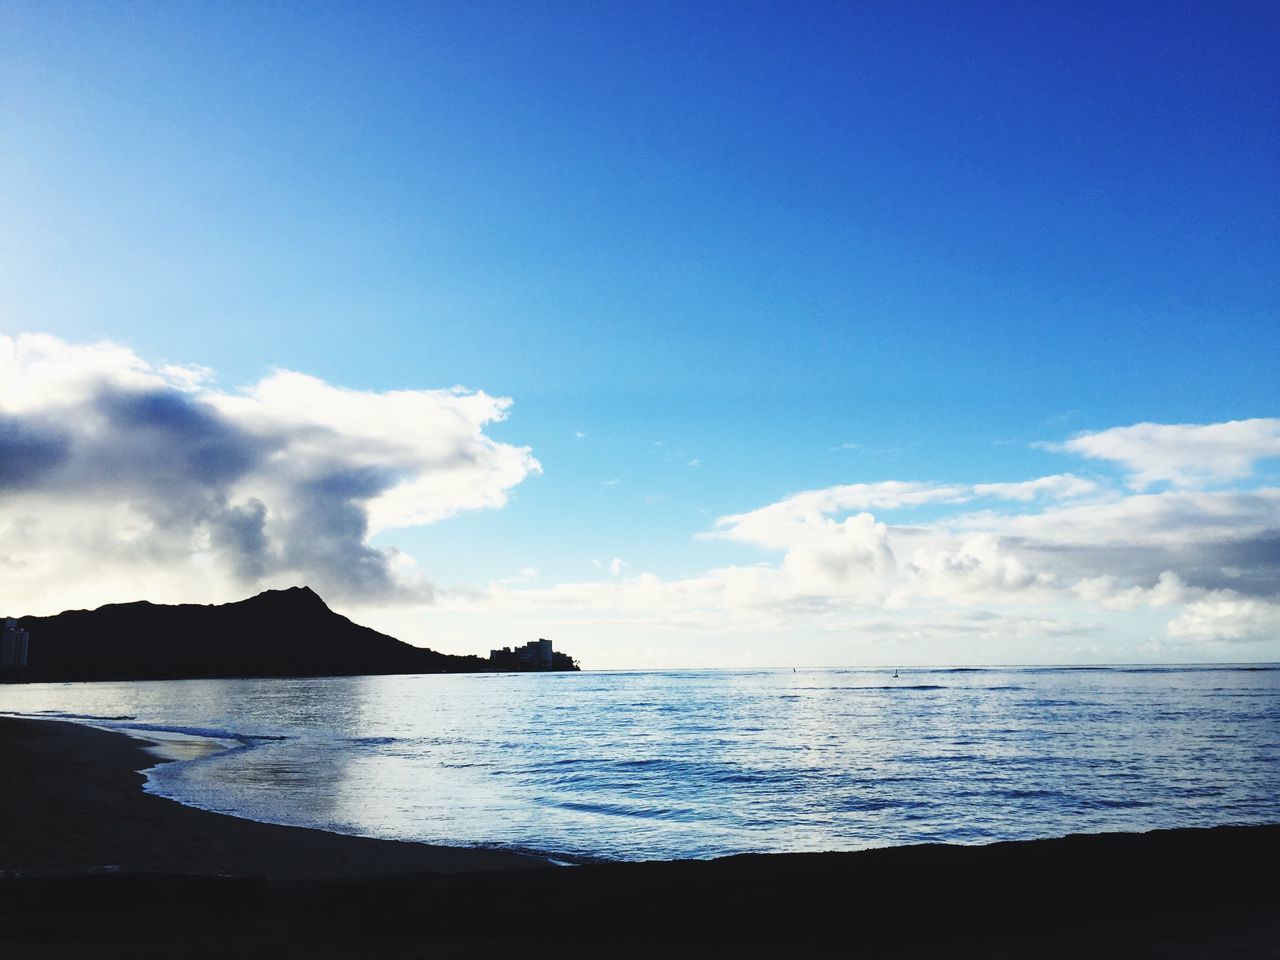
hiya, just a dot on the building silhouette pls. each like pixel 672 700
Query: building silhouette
pixel 534 655
pixel 15 644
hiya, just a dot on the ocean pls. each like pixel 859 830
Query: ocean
pixel 697 764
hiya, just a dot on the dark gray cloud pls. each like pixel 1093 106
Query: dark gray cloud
pixel 241 533
pixel 160 440
pixel 29 452
pixel 1248 564
pixel 177 460
pixel 121 479
pixel 183 433
pixel 328 534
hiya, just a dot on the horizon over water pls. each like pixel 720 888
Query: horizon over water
pixel 692 764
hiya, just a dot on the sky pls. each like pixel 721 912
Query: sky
pixel 684 335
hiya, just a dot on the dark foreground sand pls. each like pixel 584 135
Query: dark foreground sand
pixel 184 882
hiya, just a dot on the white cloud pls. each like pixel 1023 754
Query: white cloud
pixel 1060 486
pixel 523 575
pixel 427 444
pixel 1065 556
pixel 807 515
pixel 1226 616
pixel 121 479
pixel 1108 591
pixel 1182 454
pixel 1212 540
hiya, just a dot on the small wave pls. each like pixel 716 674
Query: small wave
pixel 1028 794
pixel 128 722
pixel 371 741
pixel 211 733
pixel 63 715
pixel 1202 668
pixel 951 758
pixel 634 812
pixel 890 686
pixel 865 805
pixel 1059 703
pixel 1104 804
pixel 1153 669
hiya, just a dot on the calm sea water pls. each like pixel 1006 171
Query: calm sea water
pixel 703 764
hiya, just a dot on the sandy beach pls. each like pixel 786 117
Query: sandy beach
pixel 91 863
pixel 83 808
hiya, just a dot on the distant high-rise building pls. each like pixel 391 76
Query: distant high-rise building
pixel 14 645
pixel 534 655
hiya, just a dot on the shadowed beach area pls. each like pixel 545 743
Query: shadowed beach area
pixel 89 862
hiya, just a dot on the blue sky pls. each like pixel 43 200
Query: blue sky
pixel 715 254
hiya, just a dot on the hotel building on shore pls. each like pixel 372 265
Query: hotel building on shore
pixel 534 655
pixel 14 646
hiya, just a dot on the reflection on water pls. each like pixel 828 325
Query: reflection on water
pixel 176 747
pixel 646 765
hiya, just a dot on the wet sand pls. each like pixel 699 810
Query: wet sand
pixel 78 796
pixel 91 865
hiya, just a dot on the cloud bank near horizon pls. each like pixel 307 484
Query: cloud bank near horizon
pixel 1172 550
pixel 121 479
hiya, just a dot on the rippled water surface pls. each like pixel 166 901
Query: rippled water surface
pixel 702 764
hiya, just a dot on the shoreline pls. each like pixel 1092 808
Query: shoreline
pixel 89 860
pixel 86 784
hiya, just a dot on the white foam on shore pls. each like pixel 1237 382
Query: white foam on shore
pixel 166 744
pixel 169 746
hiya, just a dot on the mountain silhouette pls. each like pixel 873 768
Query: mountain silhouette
pixel 278 633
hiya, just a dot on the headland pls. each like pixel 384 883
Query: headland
pixel 277 633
